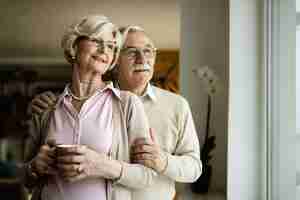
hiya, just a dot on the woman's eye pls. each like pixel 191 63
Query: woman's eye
pixel 110 46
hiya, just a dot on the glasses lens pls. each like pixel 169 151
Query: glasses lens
pixel 135 52
pixel 107 46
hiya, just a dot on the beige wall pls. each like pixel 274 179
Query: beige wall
pixel 33 28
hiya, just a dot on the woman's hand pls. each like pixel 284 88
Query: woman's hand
pixel 81 162
pixel 148 153
pixel 42 102
pixel 44 162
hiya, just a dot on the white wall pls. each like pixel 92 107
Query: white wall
pixel 203 42
pixel 245 129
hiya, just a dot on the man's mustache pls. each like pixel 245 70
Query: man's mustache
pixel 143 67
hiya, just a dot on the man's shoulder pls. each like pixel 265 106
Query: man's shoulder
pixel 169 97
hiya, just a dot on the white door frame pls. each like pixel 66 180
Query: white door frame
pixel 280 30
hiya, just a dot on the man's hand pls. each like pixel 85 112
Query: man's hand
pixel 148 153
pixel 81 162
pixel 42 102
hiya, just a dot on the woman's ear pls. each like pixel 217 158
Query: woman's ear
pixel 69 58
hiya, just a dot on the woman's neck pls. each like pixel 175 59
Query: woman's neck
pixel 85 86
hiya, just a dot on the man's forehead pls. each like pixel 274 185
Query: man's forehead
pixel 138 39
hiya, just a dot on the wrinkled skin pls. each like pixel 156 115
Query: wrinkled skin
pixel 148 153
pixel 44 161
pixel 82 163
pixel 42 102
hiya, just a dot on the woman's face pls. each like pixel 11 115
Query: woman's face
pixel 95 56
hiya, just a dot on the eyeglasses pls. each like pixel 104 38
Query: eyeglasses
pixel 133 53
pixel 102 45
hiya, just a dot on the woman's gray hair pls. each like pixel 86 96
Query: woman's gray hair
pixel 91 27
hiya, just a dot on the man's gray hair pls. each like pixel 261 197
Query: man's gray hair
pixel 130 29
pixel 91 27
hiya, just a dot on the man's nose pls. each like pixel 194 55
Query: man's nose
pixel 141 59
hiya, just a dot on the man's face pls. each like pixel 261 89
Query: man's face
pixel 136 61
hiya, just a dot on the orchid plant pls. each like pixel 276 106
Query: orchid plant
pixel 209 82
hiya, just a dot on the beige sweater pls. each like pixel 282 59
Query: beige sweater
pixel 170 117
pixel 129 122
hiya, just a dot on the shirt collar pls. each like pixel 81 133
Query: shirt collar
pixel 149 92
pixel 109 86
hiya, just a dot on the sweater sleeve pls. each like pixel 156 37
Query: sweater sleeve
pixel 36 138
pixel 135 175
pixel 32 145
pixel 184 165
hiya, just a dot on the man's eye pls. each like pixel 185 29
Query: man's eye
pixel 147 51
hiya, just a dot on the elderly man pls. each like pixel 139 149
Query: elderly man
pixel 173 151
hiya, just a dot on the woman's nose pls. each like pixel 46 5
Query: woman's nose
pixel 102 49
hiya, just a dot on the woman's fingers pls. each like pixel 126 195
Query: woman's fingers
pixel 70 159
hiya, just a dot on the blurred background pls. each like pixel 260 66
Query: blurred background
pixel 188 34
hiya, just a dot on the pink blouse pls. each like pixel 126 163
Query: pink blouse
pixel 92 127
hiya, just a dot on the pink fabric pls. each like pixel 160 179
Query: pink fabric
pixel 92 126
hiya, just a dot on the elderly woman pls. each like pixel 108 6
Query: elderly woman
pixel 99 121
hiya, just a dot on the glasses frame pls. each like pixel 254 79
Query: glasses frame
pixel 140 52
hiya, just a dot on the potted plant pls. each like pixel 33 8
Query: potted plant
pixel 209 83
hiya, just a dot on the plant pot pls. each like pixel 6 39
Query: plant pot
pixel 203 182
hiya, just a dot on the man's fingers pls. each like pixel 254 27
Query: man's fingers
pixel 143 141
pixel 144 156
pixel 48 97
pixel 143 149
pixel 41 103
pixel 51 96
pixel 35 110
pixel 146 162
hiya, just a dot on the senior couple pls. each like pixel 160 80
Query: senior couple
pixel 127 139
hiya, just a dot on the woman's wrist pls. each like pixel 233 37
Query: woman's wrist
pixel 31 170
